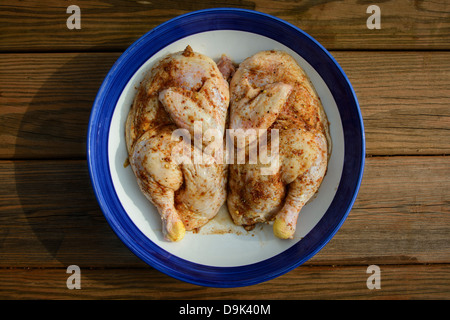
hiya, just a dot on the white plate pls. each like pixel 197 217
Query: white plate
pixel 221 243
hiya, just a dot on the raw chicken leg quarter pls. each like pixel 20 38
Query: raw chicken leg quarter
pixel 269 91
pixel 181 89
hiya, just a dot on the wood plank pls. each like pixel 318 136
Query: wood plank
pixel 32 25
pixel 305 282
pixel 50 217
pixel 404 99
pixel 46 101
pixel 398 215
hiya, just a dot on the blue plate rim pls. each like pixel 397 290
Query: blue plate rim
pixel 97 147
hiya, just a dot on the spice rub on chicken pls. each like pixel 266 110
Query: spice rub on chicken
pixel 269 90
pixel 182 89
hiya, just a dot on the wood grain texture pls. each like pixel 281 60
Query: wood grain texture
pixel 404 99
pixel 46 100
pixel 33 25
pixel 304 282
pixel 50 217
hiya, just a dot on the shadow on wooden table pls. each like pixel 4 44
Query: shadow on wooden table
pixel 52 181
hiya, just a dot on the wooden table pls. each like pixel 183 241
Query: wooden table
pixel 49 217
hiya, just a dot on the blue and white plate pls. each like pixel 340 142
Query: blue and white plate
pixel 221 254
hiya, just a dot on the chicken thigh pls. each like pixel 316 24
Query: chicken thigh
pixel 269 90
pixel 182 90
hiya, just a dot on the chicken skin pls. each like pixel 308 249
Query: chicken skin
pixel 269 90
pixel 182 90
